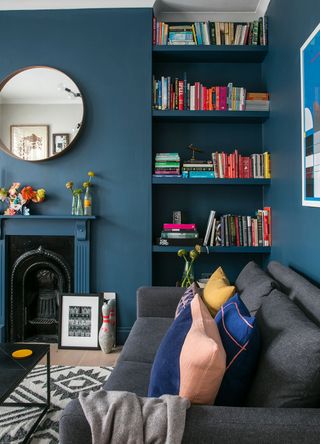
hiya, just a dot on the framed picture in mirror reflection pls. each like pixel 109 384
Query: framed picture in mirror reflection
pixel 29 142
pixel 59 142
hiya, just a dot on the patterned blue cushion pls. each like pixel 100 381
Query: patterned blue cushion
pixel 241 340
pixel 186 298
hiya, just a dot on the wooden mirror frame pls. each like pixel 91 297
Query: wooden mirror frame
pixel 3 82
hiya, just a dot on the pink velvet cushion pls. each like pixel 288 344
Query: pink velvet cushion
pixel 202 358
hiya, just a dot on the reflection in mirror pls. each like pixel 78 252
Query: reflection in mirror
pixel 41 113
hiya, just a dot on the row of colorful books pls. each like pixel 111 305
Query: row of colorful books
pixel 234 166
pixel 210 33
pixel 240 231
pixel 178 94
pixel 222 166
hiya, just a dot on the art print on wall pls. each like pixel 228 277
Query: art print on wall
pixel 310 119
pixel 79 320
pixel 29 142
pixel 60 142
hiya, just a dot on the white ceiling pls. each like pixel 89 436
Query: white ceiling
pixel 39 86
pixel 223 10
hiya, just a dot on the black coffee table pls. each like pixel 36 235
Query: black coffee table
pixel 13 371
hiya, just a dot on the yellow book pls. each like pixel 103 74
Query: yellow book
pixel 267 165
pixel 194 34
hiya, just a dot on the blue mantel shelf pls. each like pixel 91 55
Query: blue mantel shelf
pixel 45 216
pixel 47 225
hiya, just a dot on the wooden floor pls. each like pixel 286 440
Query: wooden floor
pixel 91 358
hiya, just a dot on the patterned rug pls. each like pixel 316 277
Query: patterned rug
pixel 66 383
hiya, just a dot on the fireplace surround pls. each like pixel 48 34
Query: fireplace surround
pixel 40 257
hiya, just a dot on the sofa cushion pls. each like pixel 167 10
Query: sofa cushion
pixel 130 377
pixel 144 339
pixel 254 285
pixel 217 291
pixel 187 297
pixel 191 360
pixel 241 340
pixel 288 369
pixel 299 289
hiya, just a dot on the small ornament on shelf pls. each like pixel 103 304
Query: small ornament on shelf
pixel 16 202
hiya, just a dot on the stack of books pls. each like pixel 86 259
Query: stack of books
pixel 236 166
pixel 179 94
pixel 257 102
pixel 240 231
pixel 211 33
pixel 167 165
pixel 198 169
pixel 179 234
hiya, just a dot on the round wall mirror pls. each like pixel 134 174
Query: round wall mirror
pixel 41 113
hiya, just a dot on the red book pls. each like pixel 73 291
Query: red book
pixel 237 163
pixel 218 98
pixel 197 96
pixel 154 31
pixel 181 102
pixel 204 98
pixel 246 167
pixel 268 211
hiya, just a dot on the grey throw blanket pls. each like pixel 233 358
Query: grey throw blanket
pixel 125 418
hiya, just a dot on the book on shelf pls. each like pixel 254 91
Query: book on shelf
pixel 239 231
pixel 178 242
pixel 179 227
pixel 211 33
pixel 179 233
pixel 178 94
pixel 167 164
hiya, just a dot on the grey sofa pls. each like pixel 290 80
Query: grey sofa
pixel 261 422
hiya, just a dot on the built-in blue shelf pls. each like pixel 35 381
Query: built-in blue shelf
pixel 47 216
pixel 175 249
pixel 212 53
pixel 211 116
pixel 190 181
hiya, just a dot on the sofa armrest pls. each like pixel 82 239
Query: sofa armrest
pixel 229 425
pixel 158 301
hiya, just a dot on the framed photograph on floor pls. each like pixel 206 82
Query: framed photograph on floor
pixel 79 321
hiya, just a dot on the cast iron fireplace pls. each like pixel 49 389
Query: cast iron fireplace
pixel 40 268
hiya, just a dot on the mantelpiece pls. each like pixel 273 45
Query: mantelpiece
pixel 46 225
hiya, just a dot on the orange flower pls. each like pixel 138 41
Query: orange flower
pixel 28 193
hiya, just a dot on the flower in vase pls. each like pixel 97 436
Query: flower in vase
pixel 3 194
pixel 39 196
pixel 14 188
pixel 86 184
pixel 10 212
pixel 91 174
pixel 28 193
pixel 69 185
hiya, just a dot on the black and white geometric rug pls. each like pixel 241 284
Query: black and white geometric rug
pixel 66 383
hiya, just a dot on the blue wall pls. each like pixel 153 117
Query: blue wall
pixel 108 54
pixel 296 238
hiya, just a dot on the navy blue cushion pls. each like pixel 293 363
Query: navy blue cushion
pixel 165 373
pixel 241 340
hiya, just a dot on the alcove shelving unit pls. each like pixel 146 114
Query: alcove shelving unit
pixel 212 131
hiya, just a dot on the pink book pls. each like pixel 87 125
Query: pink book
pixel 223 98
pixel 188 227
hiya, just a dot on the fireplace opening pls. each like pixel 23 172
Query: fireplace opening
pixel 37 277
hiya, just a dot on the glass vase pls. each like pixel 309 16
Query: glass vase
pixel 88 202
pixel 79 208
pixel 188 275
pixel 74 205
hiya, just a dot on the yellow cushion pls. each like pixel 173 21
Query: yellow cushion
pixel 217 291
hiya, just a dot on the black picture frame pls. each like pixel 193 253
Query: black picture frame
pixel 88 320
pixel 55 148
